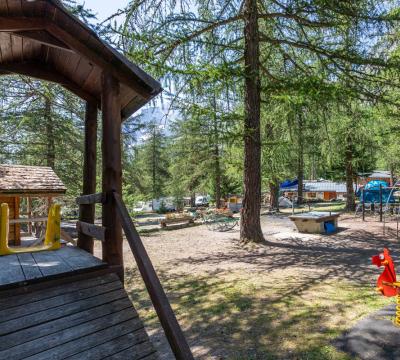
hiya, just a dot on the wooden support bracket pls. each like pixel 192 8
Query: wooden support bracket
pixel 95 231
pixel 98 198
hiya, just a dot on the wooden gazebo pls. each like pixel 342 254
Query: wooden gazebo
pixel 19 182
pixel 41 39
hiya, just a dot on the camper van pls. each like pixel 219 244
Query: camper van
pixel 202 200
pixel 167 203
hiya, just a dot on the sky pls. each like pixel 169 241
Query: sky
pixel 104 8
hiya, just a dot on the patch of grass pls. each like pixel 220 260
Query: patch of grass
pixel 334 207
pixel 248 318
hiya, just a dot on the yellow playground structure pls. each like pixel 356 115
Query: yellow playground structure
pixel 52 238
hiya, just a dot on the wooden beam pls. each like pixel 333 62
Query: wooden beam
pixel 43 37
pixel 47 73
pixel 67 237
pixel 87 209
pixel 100 59
pixel 91 230
pixel 21 23
pixel 160 301
pixel 112 168
pixel 29 213
pixel 28 220
pixel 98 198
pixel 17 226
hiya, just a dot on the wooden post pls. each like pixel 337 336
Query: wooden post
pixel 363 204
pixel 49 201
pixel 29 211
pixel 17 227
pixel 112 169
pixel 380 203
pixel 87 211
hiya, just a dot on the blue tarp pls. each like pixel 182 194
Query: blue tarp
pixel 372 190
pixel 375 185
pixel 288 184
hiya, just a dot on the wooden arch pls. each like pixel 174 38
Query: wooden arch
pixel 41 39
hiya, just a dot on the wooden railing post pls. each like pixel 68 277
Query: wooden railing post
pixel 87 211
pixel 158 297
pixel 112 170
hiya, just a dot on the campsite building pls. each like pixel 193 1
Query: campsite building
pixel 322 190
pixel 382 175
pixel 22 183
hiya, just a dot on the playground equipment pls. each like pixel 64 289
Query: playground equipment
pixel 392 207
pixel 219 221
pixel 387 284
pixel 52 238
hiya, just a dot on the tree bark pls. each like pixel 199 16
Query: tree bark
pixel 51 147
pixel 350 200
pixel 153 163
pixel 217 164
pixel 300 158
pixel 192 199
pixel 274 198
pixel 217 168
pixel 250 230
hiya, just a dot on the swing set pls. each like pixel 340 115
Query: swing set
pixel 51 240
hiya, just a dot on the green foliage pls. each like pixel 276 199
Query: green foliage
pixel 315 63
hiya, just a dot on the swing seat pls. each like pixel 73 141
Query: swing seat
pixel 52 238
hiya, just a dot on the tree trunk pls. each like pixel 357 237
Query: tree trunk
pixel 217 164
pixel 193 199
pixel 300 158
pixel 250 230
pixel 350 201
pixel 217 167
pixel 51 147
pixel 274 198
pixel 153 164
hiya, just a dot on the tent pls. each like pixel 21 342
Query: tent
pixel 288 184
pixel 372 192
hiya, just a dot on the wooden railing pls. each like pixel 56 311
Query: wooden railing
pixel 160 301
pixel 94 231
pixel 158 297
pixel 98 198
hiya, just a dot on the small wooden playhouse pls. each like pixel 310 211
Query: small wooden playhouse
pixel 43 40
pixel 20 183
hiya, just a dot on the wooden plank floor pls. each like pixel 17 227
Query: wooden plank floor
pixel 26 267
pixel 84 319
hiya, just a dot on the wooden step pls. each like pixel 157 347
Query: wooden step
pixel 89 318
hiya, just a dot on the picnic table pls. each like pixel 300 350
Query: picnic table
pixel 315 222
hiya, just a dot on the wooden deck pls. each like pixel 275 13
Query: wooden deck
pixel 33 267
pixel 90 318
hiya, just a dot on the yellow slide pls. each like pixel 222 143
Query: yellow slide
pixel 52 239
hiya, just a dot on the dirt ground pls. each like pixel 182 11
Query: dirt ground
pixel 286 299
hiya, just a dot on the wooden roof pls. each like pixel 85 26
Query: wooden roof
pixel 29 180
pixel 40 38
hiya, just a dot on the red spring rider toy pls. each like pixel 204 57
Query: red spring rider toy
pixel 387 284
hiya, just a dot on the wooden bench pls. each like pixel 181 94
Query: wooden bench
pixel 176 220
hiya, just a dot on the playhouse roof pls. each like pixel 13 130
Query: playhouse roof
pixel 44 40
pixel 30 180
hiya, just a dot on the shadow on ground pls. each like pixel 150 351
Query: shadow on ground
pixel 286 299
